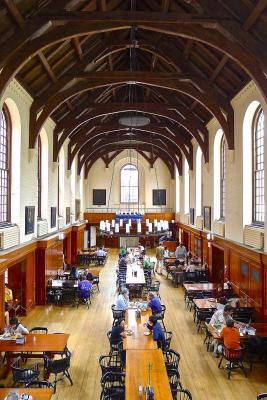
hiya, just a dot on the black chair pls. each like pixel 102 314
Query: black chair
pixel 262 396
pixel 168 338
pixel 172 359
pixel 114 347
pixel 83 297
pixel 160 317
pixel 56 367
pixel 38 330
pixel 174 381
pixel 155 288
pixel 183 394
pixel 234 360
pixel 117 314
pixel 24 376
pixel 95 283
pixel 208 335
pixel 113 384
pixel 39 384
pixel 110 363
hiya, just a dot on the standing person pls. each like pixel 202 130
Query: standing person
pixel 159 257
pixel 180 251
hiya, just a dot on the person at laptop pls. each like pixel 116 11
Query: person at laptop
pixel 15 327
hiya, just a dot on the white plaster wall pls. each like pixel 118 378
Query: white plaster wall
pixel 100 177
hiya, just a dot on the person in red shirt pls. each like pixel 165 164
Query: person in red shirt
pixel 230 335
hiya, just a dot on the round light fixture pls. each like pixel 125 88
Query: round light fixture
pixel 134 121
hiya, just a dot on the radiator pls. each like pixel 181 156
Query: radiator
pixel 219 227
pixel 184 219
pixel 199 222
pixel 9 237
pixel 42 228
pixel 254 236
pixel 61 222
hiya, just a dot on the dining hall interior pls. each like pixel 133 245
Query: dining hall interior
pixel 133 241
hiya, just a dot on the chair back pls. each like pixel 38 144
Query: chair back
pixel 39 384
pixel 58 365
pixel 184 394
pixel 39 329
pixel 262 396
pixel 117 313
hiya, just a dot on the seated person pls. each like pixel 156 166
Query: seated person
pixel 8 294
pixel 6 314
pixel 158 334
pixel 221 303
pixel 154 304
pixel 89 276
pixel 118 331
pixel 230 336
pixel 74 273
pixel 16 327
pixel 123 261
pixel 101 253
pixel 122 301
pixel 219 319
pixel 146 263
pixel 166 252
pixel 123 251
pixel 84 287
pixel 141 248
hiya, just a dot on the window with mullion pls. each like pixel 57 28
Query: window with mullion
pixel 5 129
pixel 39 179
pixel 258 168
pixel 129 184
pixel 222 178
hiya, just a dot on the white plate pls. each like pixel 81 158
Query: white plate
pixel 146 333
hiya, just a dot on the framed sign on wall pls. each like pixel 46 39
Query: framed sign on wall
pixel 99 197
pixel 159 197
pixel 207 217
pixel 29 219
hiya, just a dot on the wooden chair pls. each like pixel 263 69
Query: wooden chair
pixel 234 360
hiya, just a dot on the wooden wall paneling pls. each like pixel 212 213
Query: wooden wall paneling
pixel 40 278
pixel 171 245
pixel 77 241
pixel 67 247
pixel 156 215
pixel 255 284
pixel 95 218
pixel 30 281
pixel 111 242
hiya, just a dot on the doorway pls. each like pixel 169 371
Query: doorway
pixel 217 271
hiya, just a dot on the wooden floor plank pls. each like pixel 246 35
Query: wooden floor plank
pixel 88 340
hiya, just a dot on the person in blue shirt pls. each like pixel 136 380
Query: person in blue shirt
pixel 122 301
pixel 84 287
pixel 154 303
pixel 158 334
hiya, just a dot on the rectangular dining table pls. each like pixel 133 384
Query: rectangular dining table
pixel 138 340
pixel 33 346
pixel 137 374
pixel 202 287
pixel 261 331
pixel 36 393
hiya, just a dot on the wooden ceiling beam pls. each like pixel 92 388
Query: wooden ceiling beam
pixel 164 157
pixel 244 56
pixel 164 154
pixel 255 14
pixel 78 48
pixel 14 12
pixel 138 134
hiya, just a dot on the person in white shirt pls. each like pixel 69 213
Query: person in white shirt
pixel 16 327
pixel 166 252
pixel 122 301
pixel 100 253
pixel 219 320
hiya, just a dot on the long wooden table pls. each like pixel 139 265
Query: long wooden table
pixel 131 279
pixel 204 304
pixel 138 341
pixel 35 343
pixel 137 374
pixel 37 394
pixel 202 287
pixel 261 331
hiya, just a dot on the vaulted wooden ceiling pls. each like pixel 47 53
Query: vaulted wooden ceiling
pixel 88 62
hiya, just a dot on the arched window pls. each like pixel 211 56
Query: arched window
pixel 39 179
pixel 5 162
pixel 199 181
pixel 222 177
pixel 186 187
pixel 258 168
pixel 129 184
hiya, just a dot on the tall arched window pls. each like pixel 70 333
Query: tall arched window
pixel 222 177
pixel 186 187
pixel 39 179
pixel 129 184
pixel 5 162
pixel 198 182
pixel 258 168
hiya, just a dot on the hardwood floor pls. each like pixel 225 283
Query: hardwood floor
pixel 88 340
